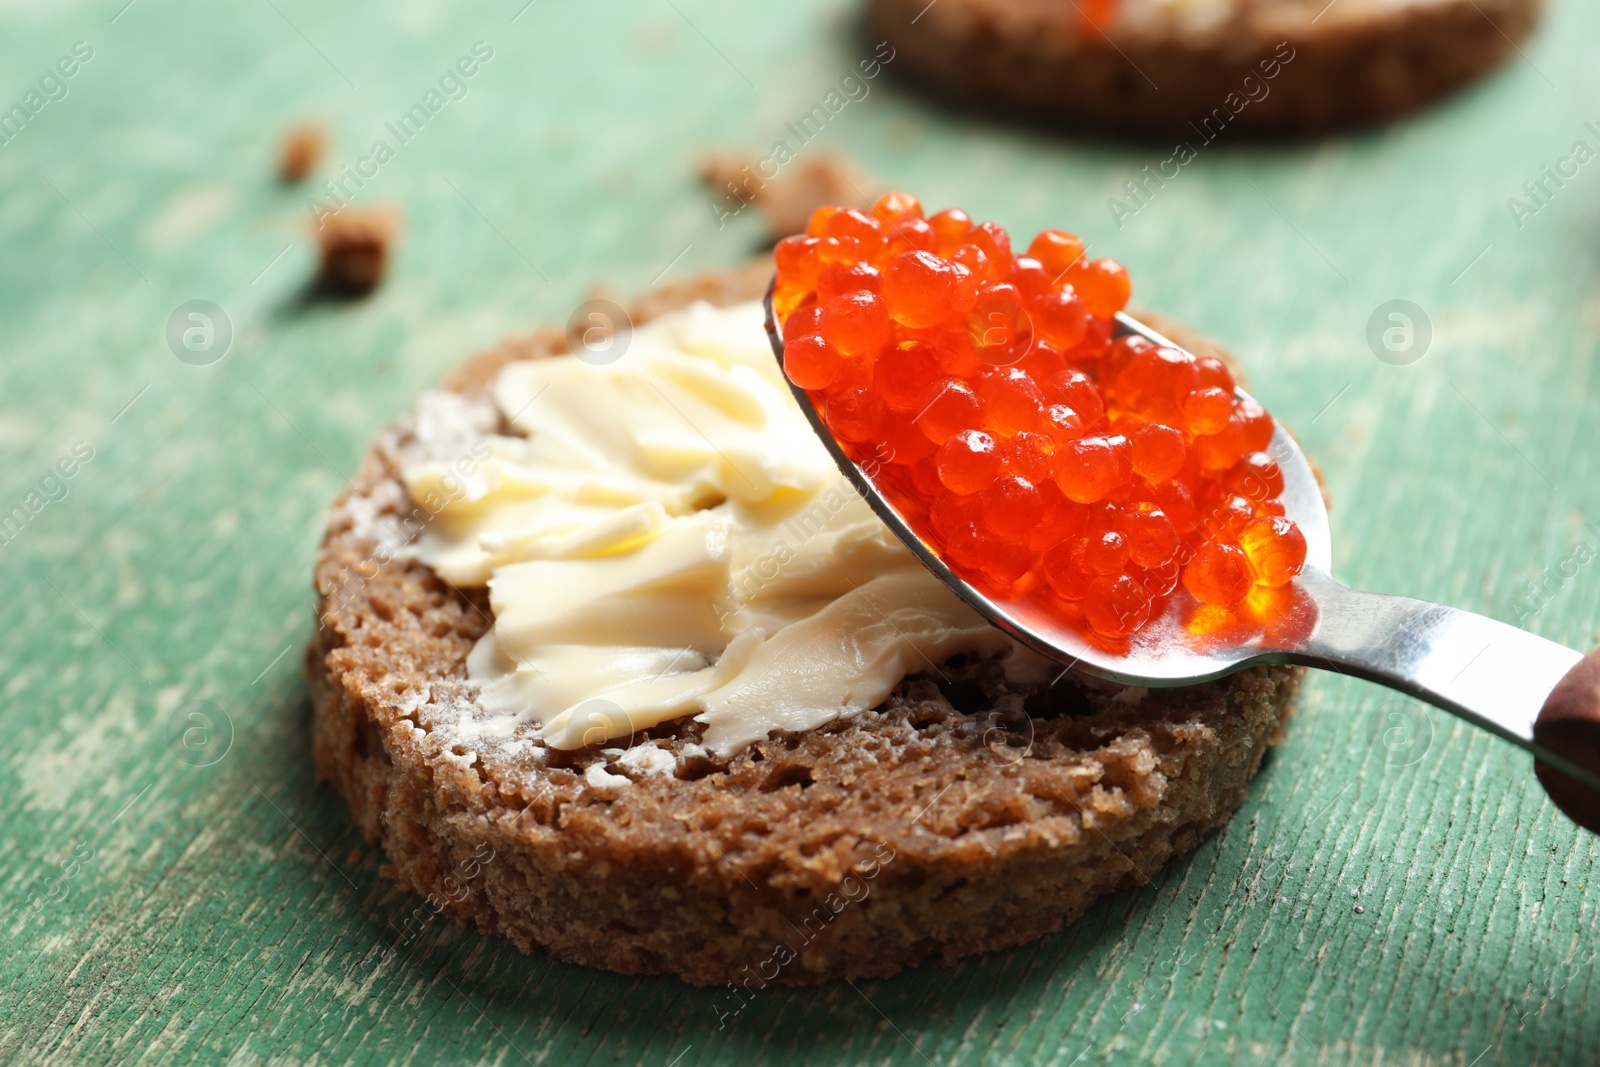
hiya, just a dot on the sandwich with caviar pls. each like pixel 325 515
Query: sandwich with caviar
pixel 1199 69
pixel 612 660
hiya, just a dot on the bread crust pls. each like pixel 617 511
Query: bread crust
pixel 966 814
pixel 1354 62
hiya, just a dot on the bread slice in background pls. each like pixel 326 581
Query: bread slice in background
pixel 1197 68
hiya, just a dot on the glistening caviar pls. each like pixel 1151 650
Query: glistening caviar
pixel 1040 457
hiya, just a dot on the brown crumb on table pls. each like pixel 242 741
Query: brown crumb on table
pixel 303 144
pixel 355 248
pixel 788 197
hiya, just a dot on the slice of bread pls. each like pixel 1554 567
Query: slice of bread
pixel 968 813
pixel 1194 68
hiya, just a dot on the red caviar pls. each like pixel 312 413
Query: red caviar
pixel 1042 458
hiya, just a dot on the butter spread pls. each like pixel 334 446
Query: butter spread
pixel 664 536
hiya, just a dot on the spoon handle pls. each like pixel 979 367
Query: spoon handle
pixel 1532 692
pixel 1569 723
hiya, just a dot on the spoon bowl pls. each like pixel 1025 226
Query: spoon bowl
pixel 1533 692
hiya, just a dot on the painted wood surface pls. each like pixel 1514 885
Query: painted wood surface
pixel 1395 890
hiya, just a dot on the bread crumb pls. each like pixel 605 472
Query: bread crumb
pixel 354 244
pixel 788 198
pixel 301 151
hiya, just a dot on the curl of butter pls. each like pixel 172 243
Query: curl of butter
pixel 670 539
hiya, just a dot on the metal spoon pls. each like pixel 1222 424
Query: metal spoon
pixel 1534 693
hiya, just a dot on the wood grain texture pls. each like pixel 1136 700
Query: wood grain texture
pixel 1396 890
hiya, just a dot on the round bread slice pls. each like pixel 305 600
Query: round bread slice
pixel 969 812
pixel 1199 68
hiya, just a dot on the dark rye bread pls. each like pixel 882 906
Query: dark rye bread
pixel 1312 65
pixel 966 814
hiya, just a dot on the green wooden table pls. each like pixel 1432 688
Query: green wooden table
pixel 1396 888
